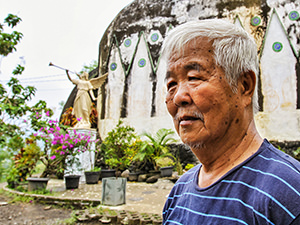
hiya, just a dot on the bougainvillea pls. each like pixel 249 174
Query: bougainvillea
pixel 63 145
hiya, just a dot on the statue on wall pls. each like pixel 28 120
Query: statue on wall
pixel 82 103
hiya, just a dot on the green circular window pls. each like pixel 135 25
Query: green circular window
pixel 294 15
pixel 277 46
pixel 113 66
pixel 255 21
pixel 142 62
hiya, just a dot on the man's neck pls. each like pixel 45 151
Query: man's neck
pixel 220 159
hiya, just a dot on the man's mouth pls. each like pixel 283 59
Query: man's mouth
pixel 188 119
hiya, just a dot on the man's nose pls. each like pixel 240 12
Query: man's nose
pixel 182 96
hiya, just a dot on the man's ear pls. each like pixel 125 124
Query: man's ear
pixel 247 84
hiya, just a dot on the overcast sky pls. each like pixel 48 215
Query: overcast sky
pixel 65 32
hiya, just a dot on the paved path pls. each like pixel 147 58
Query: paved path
pixel 140 197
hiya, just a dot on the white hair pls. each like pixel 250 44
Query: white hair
pixel 234 49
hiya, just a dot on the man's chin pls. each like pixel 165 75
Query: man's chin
pixel 194 144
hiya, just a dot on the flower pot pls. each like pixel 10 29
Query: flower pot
pixel 108 173
pixel 166 171
pixel 36 183
pixel 92 177
pixel 72 181
pixel 113 191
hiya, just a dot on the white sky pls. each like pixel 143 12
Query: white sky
pixel 64 32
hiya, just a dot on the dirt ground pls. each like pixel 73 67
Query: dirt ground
pixel 17 213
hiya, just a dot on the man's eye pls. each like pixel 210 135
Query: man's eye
pixel 194 78
pixel 170 85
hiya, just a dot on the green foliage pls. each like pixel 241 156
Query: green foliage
pixel 156 147
pixel 22 198
pixel 24 162
pixel 95 169
pixel 119 146
pixel 8 41
pixel 297 154
pixel 165 161
pixel 70 221
pixel 90 67
pixel 14 98
pixel 189 166
pixel 5 162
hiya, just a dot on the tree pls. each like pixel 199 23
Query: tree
pixel 14 99
pixel 89 68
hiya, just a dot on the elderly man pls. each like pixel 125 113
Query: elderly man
pixel 242 179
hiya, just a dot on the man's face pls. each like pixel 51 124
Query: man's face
pixel 201 102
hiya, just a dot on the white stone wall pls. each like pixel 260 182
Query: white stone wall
pixel 278 121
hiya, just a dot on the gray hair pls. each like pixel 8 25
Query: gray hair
pixel 234 49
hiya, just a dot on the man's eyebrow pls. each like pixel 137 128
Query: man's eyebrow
pixel 192 66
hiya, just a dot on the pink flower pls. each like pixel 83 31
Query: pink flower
pixel 48 113
pixel 78 119
pixel 62 152
pixel 53 157
pixel 64 147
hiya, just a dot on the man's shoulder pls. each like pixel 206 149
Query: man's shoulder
pixel 272 158
pixel 273 167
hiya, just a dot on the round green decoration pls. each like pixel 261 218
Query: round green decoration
pixel 142 63
pixel 154 37
pixel 277 46
pixel 255 21
pixel 113 66
pixel 294 15
pixel 127 42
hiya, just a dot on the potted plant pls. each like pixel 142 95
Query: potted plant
pixel 23 167
pixel 166 165
pixel 65 147
pixel 119 148
pixel 156 147
pixel 92 176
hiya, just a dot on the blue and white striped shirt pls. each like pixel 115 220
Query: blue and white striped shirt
pixel 265 189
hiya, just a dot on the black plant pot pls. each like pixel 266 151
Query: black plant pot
pixel 108 173
pixel 92 177
pixel 166 171
pixel 72 181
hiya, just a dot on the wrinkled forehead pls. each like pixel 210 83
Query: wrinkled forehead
pixel 200 49
pixel 193 46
